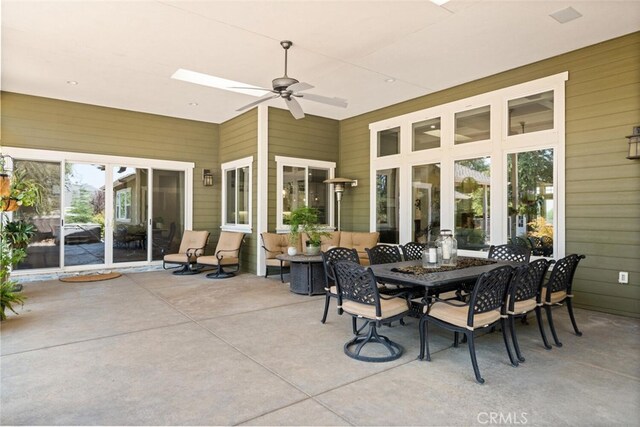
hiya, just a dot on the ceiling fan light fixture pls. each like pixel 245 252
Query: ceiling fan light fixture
pixel 215 82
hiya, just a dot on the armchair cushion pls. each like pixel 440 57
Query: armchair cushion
pixel 274 244
pixel 359 241
pixel 194 240
pixel 457 315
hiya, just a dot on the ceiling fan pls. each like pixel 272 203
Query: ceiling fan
pixel 289 89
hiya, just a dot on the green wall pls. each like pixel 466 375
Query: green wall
pixel 602 186
pixel 239 139
pixel 313 137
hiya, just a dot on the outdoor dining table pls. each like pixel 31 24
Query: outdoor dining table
pixel 436 281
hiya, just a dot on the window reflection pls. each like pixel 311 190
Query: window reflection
pixel 426 202
pixel 532 113
pixel 426 134
pixel 472 196
pixel 387 205
pixel 473 125
pixel 388 142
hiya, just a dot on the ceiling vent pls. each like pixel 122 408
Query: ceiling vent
pixel 565 15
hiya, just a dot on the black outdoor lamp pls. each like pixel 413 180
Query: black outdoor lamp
pixel 634 144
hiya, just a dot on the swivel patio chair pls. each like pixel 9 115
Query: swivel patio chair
pixel 191 247
pixel 358 296
pixel 227 254
pixel 524 297
pixel 483 311
pixel 557 291
pixel 331 291
pixel 412 251
pixel 513 253
pixel 275 244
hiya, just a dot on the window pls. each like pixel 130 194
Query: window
pixel 301 183
pixel 236 195
pixel 123 205
pixel 426 134
pixel 489 167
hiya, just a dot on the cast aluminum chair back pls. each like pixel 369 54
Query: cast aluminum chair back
pixel 412 251
pixel 358 296
pixel 484 310
pixel 558 291
pixel 329 257
pixel 524 297
pixel 384 254
pixel 513 253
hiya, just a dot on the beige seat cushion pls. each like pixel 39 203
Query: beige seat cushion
pixel 333 289
pixel 457 315
pixel 359 241
pixel 388 307
pixel 521 307
pixel 229 244
pixel 276 263
pixel 212 260
pixel 275 244
pixel 556 297
pixel 179 259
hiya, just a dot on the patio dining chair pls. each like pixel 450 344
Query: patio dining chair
pixel 557 291
pixel 192 245
pixel 412 251
pixel 358 296
pixel 482 311
pixel 513 253
pixel 227 254
pixel 524 297
pixel 329 257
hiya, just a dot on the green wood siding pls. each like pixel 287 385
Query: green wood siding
pixel 49 124
pixel 313 137
pixel 239 139
pixel 602 186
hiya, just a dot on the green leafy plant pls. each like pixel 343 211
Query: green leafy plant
pixel 24 191
pixel 19 233
pixel 305 219
pixel 9 297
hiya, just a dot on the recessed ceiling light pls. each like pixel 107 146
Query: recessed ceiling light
pixel 216 82
pixel 72 82
pixel 565 15
pixel 433 126
pixel 439 2
pixel 389 80
pixel 193 104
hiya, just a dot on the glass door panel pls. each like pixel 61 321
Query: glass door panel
pixel 84 213
pixel 43 249
pixel 426 202
pixel 130 214
pixel 168 211
pixel 387 213
pixel 472 208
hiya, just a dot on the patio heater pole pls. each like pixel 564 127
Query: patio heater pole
pixel 339 189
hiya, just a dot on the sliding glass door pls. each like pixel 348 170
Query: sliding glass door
pixel 130 216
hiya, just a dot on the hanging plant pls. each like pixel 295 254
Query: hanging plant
pixel 22 192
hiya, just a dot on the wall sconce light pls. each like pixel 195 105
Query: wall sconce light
pixel 338 187
pixel 207 178
pixel 634 144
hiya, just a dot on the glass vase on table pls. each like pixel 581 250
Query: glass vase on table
pixel 447 249
pixel 430 256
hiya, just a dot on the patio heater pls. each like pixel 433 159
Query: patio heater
pixel 338 187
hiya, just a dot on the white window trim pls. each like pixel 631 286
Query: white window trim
pixel 497 147
pixel 281 162
pixel 246 162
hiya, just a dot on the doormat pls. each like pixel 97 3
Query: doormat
pixel 90 277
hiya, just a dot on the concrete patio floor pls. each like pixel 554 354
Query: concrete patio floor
pixel 153 348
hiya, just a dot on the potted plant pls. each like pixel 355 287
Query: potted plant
pixel 19 233
pixel 22 192
pixel 305 219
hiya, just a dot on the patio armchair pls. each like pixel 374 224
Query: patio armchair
pixel 227 254
pixel 557 291
pixel 192 245
pixel 331 291
pixel 524 297
pixel 275 244
pixel 358 296
pixel 483 311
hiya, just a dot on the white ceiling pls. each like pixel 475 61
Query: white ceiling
pixel 122 53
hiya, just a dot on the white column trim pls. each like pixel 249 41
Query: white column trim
pixel 262 176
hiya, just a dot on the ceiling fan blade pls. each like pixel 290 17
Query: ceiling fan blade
pixel 299 87
pixel 336 102
pixel 250 88
pixel 295 108
pixel 259 100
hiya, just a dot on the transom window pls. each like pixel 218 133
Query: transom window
pixel 490 168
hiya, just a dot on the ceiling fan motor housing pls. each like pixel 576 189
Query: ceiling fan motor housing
pixel 282 83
